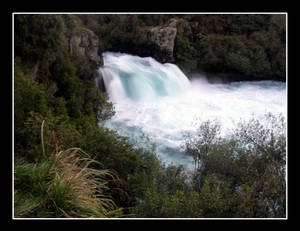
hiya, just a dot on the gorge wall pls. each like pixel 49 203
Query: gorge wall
pixel 85 43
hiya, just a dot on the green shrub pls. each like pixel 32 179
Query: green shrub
pixel 243 174
pixel 239 63
pixel 28 96
pixel 62 184
pixel 37 36
pixel 168 195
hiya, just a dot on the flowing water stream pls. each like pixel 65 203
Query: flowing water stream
pixel 158 100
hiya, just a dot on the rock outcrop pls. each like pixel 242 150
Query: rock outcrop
pixel 86 44
pixel 163 38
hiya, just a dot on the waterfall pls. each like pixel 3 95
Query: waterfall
pixel 140 79
pixel 158 100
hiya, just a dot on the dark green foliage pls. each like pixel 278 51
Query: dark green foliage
pixel 238 63
pixel 217 199
pixel 125 157
pixel 199 146
pixel 84 69
pixel 247 24
pixel 59 133
pixel 167 194
pixel 239 176
pixel 63 73
pixel 96 102
pixel 162 204
pixel 121 34
pixel 47 82
pixel 69 86
pixel 153 19
pixel 244 174
pixel 185 54
pixel 28 96
pixel 249 46
pixel 232 54
pixel 70 21
pixel 112 150
pixel 37 36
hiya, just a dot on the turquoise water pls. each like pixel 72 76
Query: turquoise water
pixel 158 100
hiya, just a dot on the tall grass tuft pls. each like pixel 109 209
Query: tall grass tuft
pixel 62 184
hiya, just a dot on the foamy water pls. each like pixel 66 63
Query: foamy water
pixel 159 101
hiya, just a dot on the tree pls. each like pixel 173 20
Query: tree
pixel 37 36
pixel 199 145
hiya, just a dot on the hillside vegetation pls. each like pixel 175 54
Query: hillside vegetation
pixel 243 47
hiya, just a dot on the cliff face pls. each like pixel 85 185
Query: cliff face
pixel 85 43
pixel 162 37
pixel 155 41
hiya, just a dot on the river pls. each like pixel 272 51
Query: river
pixel 159 101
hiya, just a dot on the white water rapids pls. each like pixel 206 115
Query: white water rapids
pixel 158 100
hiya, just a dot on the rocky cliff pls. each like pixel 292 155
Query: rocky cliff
pixel 86 44
pixel 83 45
pixel 162 38
pixel 158 42
pixel 155 41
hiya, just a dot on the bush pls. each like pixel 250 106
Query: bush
pixel 235 54
pixel 246 170
pixel 167 194
pixel 37 36
pixel 238 63
pixel 96 102
pixel 28 96
pixel 61 184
